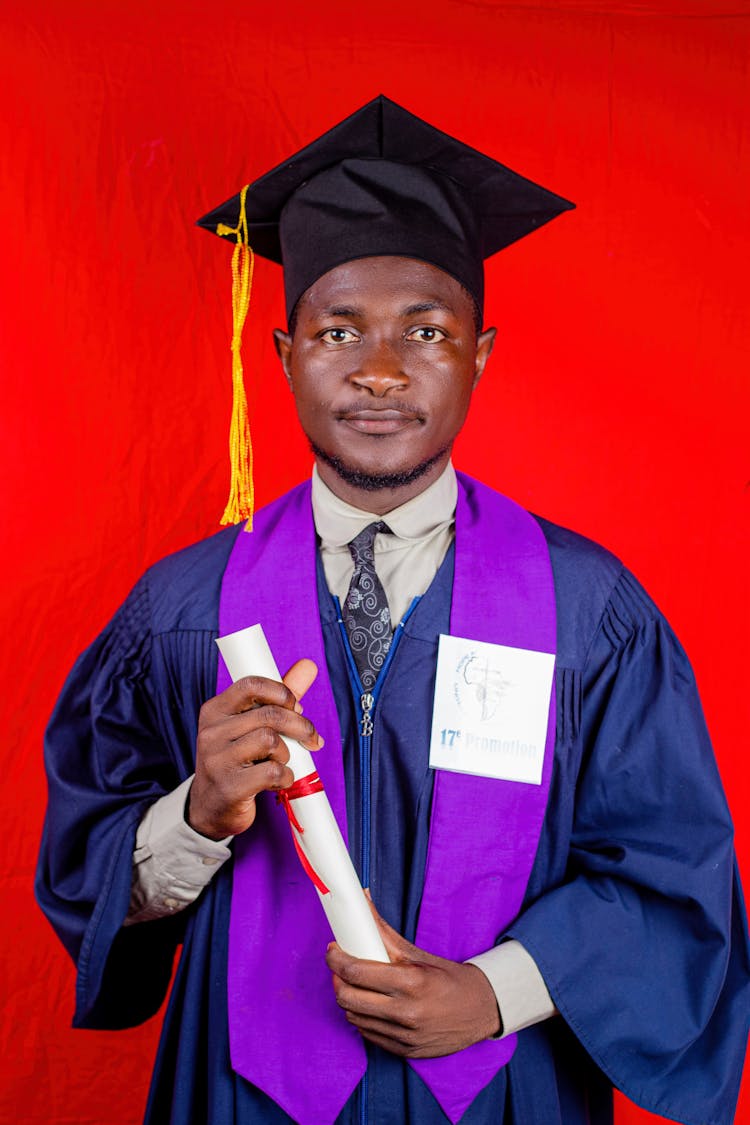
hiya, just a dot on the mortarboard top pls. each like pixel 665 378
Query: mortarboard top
pixel 383 181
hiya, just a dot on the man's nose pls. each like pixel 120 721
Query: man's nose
pixel 380 369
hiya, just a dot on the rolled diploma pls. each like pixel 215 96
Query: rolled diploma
pixel 246 653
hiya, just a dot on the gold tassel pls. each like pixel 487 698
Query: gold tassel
pixel 241 494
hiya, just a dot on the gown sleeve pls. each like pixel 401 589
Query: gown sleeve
pixel 107 758
pixel 643 944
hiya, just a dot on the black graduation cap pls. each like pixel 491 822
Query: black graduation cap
pixel 383 182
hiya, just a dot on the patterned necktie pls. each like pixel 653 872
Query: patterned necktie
pixel 366 613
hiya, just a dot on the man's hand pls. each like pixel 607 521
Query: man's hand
pixel 419 1006
pixel 239 752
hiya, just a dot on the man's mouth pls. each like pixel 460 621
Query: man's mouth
pixel 384 421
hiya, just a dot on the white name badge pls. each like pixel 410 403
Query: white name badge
pixel 491 710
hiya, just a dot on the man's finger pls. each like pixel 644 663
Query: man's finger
pixel 388 980
pixel 398 1038
pixel 393 1046
pixel 249 692
pixel 362 1004
pixel 261 727
pixel 394 1037
pixel 271 775
pixel 396 946
pixel 357 972
pixel 301 676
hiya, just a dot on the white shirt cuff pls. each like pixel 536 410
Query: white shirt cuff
pixel 521 993
pixel 172 863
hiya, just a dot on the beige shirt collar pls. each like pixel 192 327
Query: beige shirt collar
pixel 337 522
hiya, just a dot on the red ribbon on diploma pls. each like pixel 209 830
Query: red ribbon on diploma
pixel 302 788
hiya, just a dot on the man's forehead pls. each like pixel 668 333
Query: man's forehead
pixel 406 284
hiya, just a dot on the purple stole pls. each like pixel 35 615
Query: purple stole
pixel 287 1035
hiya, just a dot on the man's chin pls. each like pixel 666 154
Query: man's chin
pixel 377 482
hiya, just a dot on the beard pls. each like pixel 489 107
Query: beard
pixel 377 482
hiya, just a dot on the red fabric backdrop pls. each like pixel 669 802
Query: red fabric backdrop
pixel 616 401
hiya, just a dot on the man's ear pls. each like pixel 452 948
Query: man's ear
pixel 485 344
pixel 283 344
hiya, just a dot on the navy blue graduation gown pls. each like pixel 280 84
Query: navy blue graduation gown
pixel 632 912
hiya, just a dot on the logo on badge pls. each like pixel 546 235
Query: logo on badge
pixel 479 686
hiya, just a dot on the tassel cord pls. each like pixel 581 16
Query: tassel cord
pixel 241 492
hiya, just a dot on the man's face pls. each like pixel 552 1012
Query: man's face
pixel 383 361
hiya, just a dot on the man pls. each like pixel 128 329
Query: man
pixel 560 915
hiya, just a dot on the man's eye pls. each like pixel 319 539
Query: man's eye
pixel 426 335
pixel 338 336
